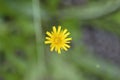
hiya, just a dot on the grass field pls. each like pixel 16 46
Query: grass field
pixel 93 45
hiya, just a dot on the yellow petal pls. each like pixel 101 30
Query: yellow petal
pixel 54 29
pixel 47 38
pixel 59 52
pixel 64 31
pixel 68 39
pixel 52 48
pixel 49 34
pixel 67 46
pixel 56 49
pixel 59 29
pixel 47 42
pixel 67 34
pixel 67 42
pixel 51 45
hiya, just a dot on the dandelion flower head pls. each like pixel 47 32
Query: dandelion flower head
pixel 58 39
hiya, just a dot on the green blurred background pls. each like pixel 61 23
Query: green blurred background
pixel 95 48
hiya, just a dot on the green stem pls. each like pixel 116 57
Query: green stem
pixel 38 29
pixel 37 71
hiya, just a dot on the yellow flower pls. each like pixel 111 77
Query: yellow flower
pixel 58 39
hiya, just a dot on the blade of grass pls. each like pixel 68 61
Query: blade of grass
pixel 91 11
pixel 38 29
pixel 36 71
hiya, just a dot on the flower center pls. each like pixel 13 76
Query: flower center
pixel 57 40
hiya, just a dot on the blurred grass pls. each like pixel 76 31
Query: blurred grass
pixel 22 27
pixel 91 11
